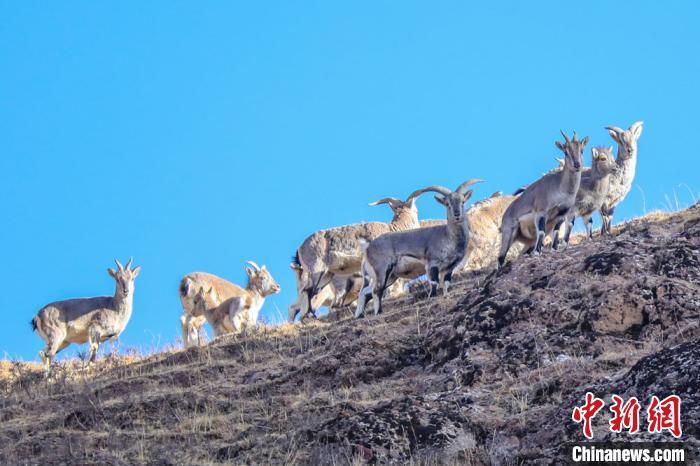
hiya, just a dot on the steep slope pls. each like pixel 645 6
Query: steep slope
pixel 486 375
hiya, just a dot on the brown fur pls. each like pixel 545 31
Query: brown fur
pixel 240 310
pixel 337 251
pixel 192 321
pixel 82 320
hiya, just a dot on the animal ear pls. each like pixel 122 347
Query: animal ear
pixel 560 146
pixel 263 268
pixel 112 272
pixel 441 200
pixel 595 153
pixel 584 141
pixel 636 129
pixel 610 149
pixel 468 195
pixel 249 271
pixel 136 271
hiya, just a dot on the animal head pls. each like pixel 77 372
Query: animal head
pixel 452 200
pixel 573 151
pixel 261 280
pixel 124 277
pixel 205 300
pixel 400 208
pixel 627 140
pixel 603 160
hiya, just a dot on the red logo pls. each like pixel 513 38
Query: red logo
pixel 665 415
pixel 587 412
pixel 661 414
pixel 625 415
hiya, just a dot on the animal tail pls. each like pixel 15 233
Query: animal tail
pixel 296 262
pixel 185 286
pixel 32 323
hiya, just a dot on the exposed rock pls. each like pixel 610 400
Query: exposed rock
pixel 489 374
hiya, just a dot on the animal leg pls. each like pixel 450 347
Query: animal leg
pixel 218 329
pixel 377 293
pixel 556 234
pixel 46 357
pixel 588 221
pixel 569 227
pixel 365 292
pixel 539 228
pixel 202 336
pixel 611 211
pixel 305 302
pixel 235 313
pixel 293 311
pixel 369 277
pixel 185 323
pixel 305 297
pixel 446 279
pixel 343 293
pixel 46 360
pixel 318 281
pixel 380 286
pixel 434 278
pixel 57 349
pixel 115 344
pixel 508 234
pixel 94 341
pixel 606 215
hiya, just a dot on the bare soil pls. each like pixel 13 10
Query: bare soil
pixel 488 374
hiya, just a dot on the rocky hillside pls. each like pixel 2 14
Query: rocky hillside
pixel 486 375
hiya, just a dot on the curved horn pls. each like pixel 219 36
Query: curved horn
pixel 566 138
pixel 615 128
pixel 128 264
pixel 254 265
pixel 119 265
pixel 436 188
pixel 460 189
pixel 385 200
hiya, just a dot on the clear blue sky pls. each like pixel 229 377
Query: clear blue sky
pixel 198 135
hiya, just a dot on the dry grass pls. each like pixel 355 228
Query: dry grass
pixel 266 396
